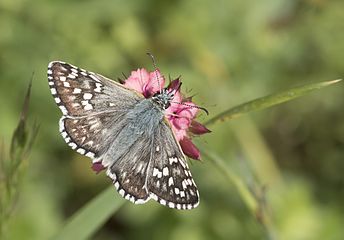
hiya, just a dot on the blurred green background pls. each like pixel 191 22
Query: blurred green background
pixel 290 157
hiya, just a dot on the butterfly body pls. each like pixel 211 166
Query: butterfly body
pixel 126 133
pixel 142 120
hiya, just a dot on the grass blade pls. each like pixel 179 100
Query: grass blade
pixel 86 221
pixel 268 101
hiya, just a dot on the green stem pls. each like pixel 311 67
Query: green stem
pixel 268 101
pixel 92 216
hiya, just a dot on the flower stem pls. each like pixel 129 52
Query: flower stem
pixel 268 101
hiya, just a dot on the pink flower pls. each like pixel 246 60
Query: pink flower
pixel 180 116
pixel 145 82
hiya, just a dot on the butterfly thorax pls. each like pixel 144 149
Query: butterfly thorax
pixel 163 98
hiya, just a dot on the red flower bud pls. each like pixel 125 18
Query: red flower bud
pixel 190 149
pixel 198 128
pixel 97 167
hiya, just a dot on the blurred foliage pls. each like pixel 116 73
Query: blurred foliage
pixel 13 163
pixel 228 52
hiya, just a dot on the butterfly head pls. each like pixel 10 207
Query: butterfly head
pixel 164 97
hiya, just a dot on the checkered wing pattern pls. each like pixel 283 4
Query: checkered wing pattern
pixel 170 181
pixel 155 168
pixel 95 110
pixel 130 173
pixel 91 104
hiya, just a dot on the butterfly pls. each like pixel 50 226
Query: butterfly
pixel 126 132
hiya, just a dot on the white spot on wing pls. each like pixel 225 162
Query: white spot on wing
pixel 170 181
pixel 87 96
pixel 81 151
pixel 182 162
pixel 139 167
pixel 165 171
pixel 71 76
pixel 90 154
pixel 64 110
pixel 155 172
pixel 73 145
pixel 140 201
pixel 154 197
pixel 172 160
pixel 121 192
pixel 184 184
pixel 76 90
pixel 98 87
pixel 94 78
pixel 88 107
pixel 171 204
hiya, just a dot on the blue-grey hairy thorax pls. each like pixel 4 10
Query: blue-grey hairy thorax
pixel 125 133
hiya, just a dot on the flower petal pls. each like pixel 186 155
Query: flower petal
pixel 153 86
pixel 191 107
pixel 190 149
pixel 97 167
pixel 198 128
pixel 138 80
pixel 179 133
pixel 174 85
pixel 184 119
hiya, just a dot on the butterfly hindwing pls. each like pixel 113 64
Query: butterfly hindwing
pixel 155 167
pixel 170 180
pixel 90 135
pixel 129 172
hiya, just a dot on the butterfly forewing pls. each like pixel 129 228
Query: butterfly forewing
pixel 93 107
pixel 78 92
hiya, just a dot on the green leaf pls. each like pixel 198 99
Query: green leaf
pixel 19 138
pixel 268 101
pixel 243 190
pixel 87 220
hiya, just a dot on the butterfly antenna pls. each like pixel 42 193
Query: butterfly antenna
pixel 191 106
pixel 155 69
